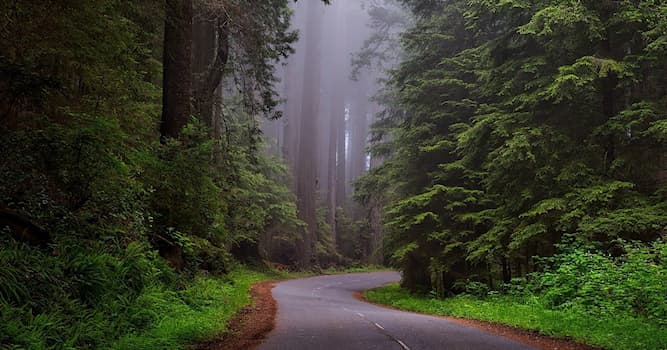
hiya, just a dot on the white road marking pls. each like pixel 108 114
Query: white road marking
pixel 402 344
pixel 383 331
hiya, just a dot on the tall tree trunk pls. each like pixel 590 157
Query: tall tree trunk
pixel 203 55
pixel 339 64
pixel 341 157
pixel 331 173
pixel 177 83
pixel 293 91
pixel 307 170
pixel 359 131
pixel 375 209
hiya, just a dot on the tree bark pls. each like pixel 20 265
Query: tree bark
pixel 331 174
pixel 341 161
pixel 307 170
pixel 335 196
pixel 359 131
pixel 177 80
pixel 203 54
pixel 293 91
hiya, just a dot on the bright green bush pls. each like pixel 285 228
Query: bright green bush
pixel 633 283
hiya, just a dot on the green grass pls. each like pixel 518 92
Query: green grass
pixel 196 314
pixel 89 299
pixel 607 331
pixel 202 311
pixel 40 308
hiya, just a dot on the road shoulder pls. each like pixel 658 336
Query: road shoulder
pixel 248 328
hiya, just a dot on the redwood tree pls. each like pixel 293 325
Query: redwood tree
pixel 177 83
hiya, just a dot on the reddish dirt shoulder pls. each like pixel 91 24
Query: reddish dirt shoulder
pixel 247 329
pixel 531 338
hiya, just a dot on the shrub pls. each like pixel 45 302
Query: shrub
pixel 633 283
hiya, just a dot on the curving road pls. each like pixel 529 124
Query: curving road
pixel 322 313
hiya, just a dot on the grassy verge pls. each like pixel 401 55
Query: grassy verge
pixel 197 313
pixel 615 331
pixel 201 311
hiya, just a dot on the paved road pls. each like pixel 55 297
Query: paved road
pixel 321 313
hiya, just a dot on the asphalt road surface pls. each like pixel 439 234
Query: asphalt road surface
pixel 322 313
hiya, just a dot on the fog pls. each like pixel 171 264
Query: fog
pixel 327 87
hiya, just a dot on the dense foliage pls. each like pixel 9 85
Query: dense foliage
pixel 104 227
pixel 582 294
pixel 603 285
pixel 520 125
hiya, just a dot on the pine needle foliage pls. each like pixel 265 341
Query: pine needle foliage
pixel 518 126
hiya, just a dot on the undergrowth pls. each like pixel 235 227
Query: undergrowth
pixel 610 302
pixel 197 313
pixel 94 300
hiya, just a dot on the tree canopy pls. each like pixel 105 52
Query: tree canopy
pixel 521 125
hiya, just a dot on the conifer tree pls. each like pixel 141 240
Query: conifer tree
pixel 525 124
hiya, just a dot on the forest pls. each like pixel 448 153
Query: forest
pixel 522 130
pixel 159 156
pixel 525 154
